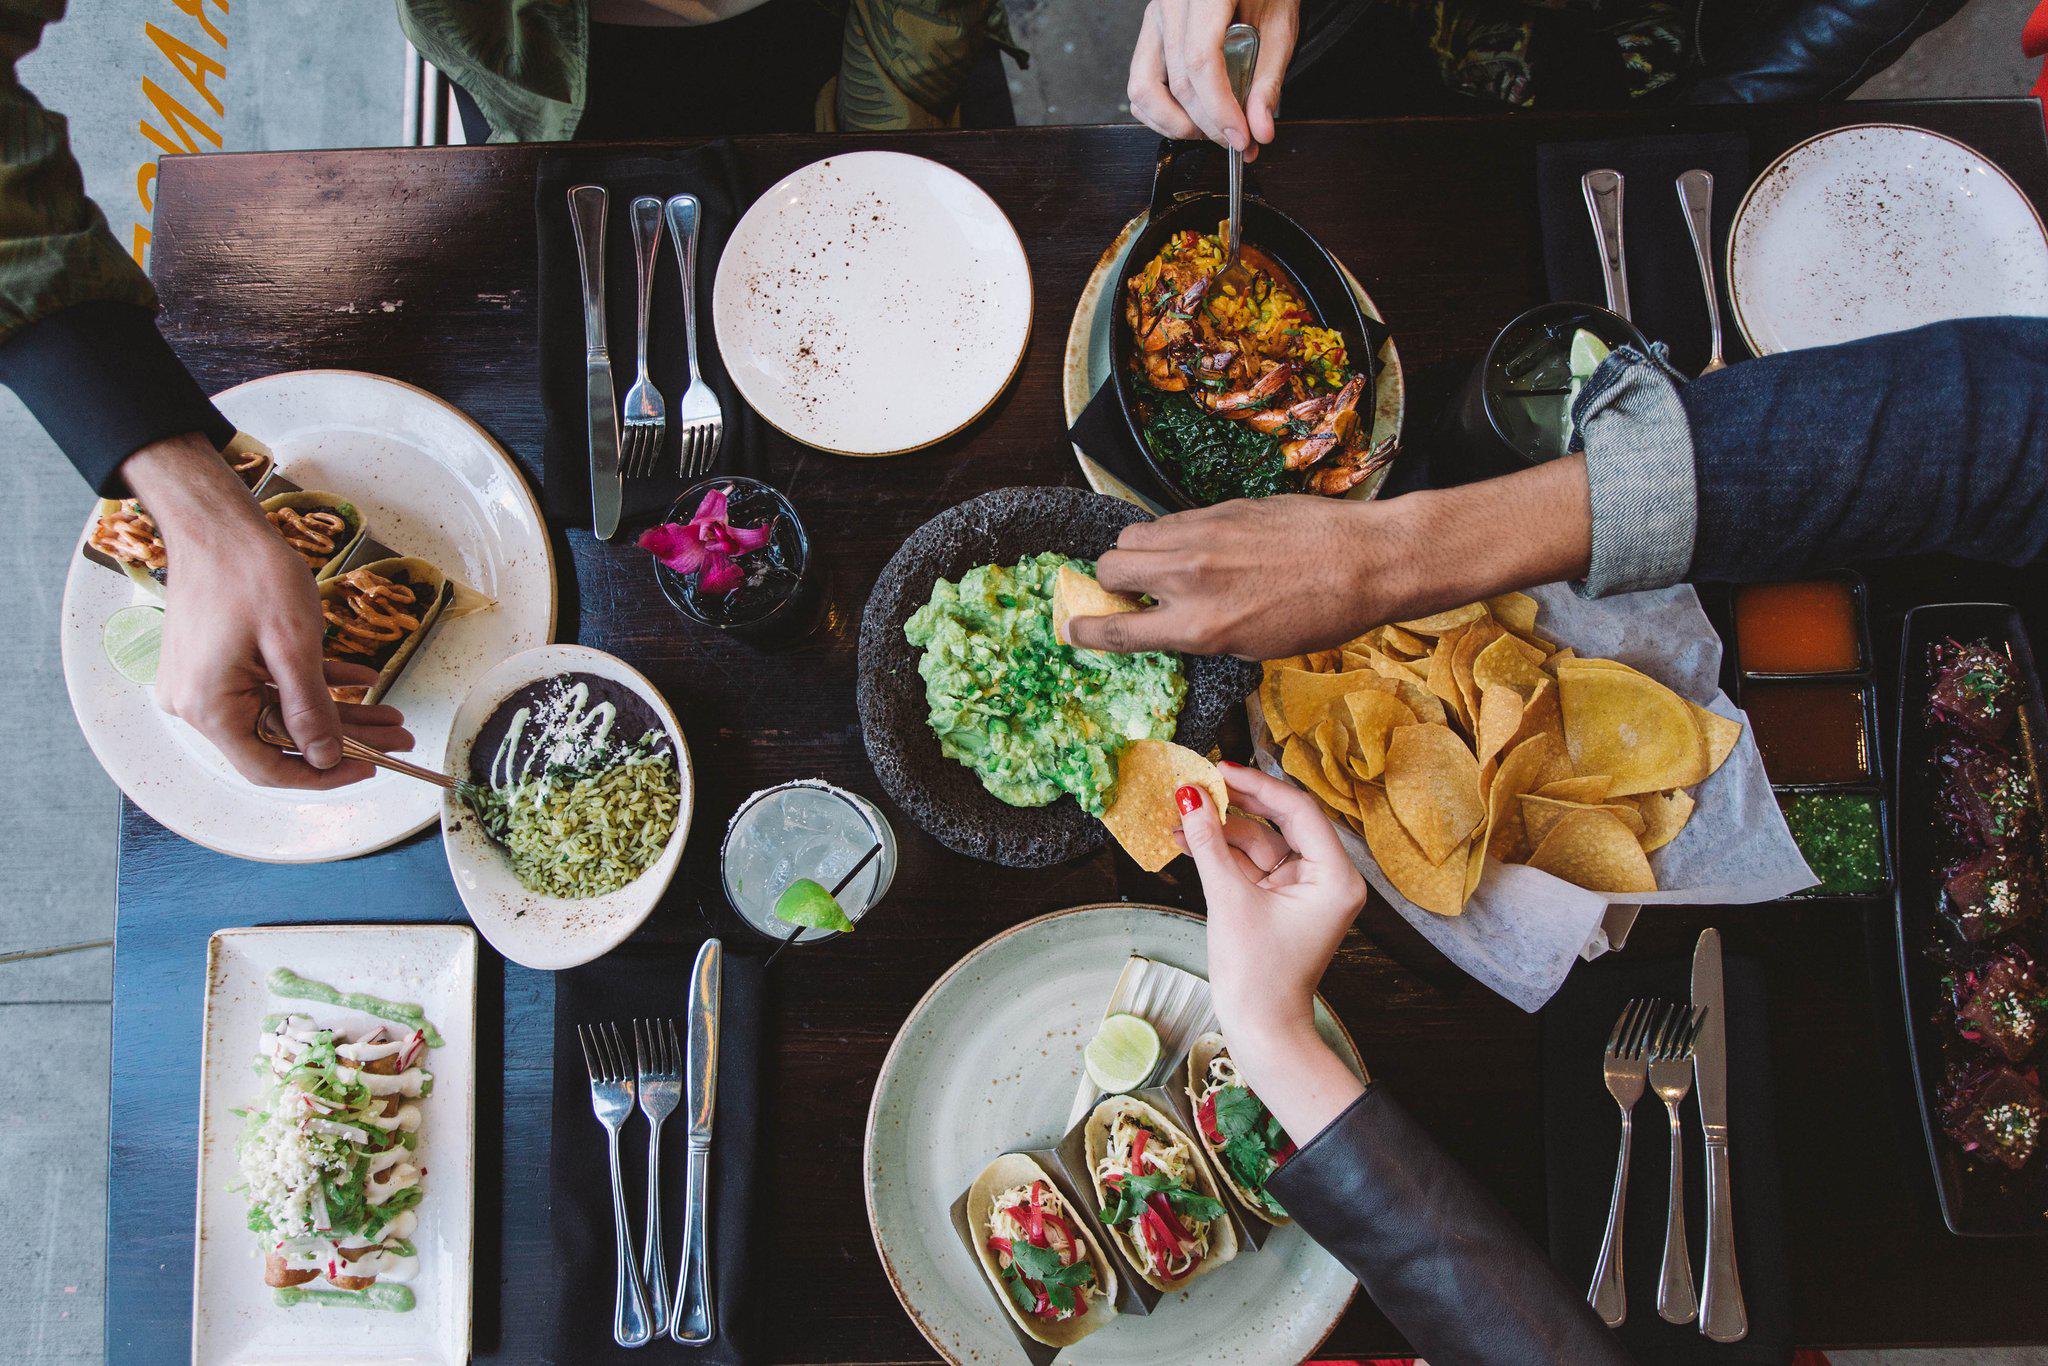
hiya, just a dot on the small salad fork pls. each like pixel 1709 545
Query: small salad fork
pixel 659 1053
pixel 700 420
pixel 611 1096
pixel 1671 1079
pixel 646 419
pixel 1625 1071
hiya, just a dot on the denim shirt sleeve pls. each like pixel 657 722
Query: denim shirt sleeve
pixel 1639 473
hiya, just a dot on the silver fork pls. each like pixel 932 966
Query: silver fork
pixel 646 420
pixel 611 1096
pixel 1671 1079
pixel 659 1054
pixel 700 421
pixel 1625 1069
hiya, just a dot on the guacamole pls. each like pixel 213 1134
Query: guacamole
pixel 1033 717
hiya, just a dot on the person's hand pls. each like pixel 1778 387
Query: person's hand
pixel 1270 577
pixel 242 617
pixel 1178 87
pixel 1281 898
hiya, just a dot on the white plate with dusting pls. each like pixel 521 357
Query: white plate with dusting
pixel 431 483
pixel 235 1317
pixel 872 303
pixel 550 933
pixel 988 1063
pixel 1878 228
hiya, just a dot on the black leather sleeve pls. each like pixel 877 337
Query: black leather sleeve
pixel 1457 1276
pixel 1810 49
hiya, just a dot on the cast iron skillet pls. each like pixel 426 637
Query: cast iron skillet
pixel 1178 207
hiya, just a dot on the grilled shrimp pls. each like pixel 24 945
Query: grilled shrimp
pixel 1332 429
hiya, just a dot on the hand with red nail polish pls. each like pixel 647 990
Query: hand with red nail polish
pixel 1189 798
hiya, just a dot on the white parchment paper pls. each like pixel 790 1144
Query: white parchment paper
pixel 1523 929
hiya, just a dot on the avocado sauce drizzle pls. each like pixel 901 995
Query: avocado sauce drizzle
pixel 285 982
pixel 396 1299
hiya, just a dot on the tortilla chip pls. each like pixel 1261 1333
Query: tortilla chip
pixel 1435 886
pixel 1540 814
pixel 1540 716
pixel 1433 788
pixel 1438 623
pixel 1394 640
pixel 1305 697
pixel 1444 683
pixel 1475 865
pixel 1594 850
pixel 1718 733
pixel 1143 814
pixel 1664 815
pixel 1299 761
pixel 1504 663
pixel 1524 768
pixel 1630 726
pixel 1477 637
pixel 1322 661
pixel 1500 716
pixel 1589 790
pixel 1075 594
pixel 1373 716
pixel 1332 741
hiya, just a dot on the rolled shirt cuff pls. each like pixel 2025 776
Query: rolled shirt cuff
pixel 104 383
pixel 1639 473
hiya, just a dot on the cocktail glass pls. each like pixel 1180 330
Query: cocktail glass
pixel 804 829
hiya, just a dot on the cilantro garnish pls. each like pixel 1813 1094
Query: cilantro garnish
pixel 1127 1201
pixel 1042 1264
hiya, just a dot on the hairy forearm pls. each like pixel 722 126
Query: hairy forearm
pixel 190 491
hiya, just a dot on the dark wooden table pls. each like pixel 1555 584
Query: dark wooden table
pixel 280 261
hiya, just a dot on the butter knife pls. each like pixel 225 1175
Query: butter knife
pixel 695 1322
pixel 601 405
pixel 1723 1316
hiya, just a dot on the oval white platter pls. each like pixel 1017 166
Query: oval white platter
pixel 1879 228
pixel 546 932
pixel 432 483
pixel 988 1062
pixel 872 303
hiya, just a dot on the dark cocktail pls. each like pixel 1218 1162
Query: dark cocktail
pixel 733 554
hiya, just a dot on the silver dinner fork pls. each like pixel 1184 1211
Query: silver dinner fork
pixel 700 421
pixel 659 1054
pixel 611 1096
pixel 1625 1069
pixel 646 420
pixel 1671 1079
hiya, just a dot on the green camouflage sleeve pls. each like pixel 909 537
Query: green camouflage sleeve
pixel 906 62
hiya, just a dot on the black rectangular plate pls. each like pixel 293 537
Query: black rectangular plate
pixel 1978 1199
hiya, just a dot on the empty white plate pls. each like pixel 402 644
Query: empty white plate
pixel 550 932
pixel 1879 228
pixel 872 303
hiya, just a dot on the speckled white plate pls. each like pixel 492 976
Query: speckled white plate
pixel 1878 228
pixel 1085 367
pixel 431 483
pixel 547 932
pixel 872 303
pixel 988 1062
pixel 234 1317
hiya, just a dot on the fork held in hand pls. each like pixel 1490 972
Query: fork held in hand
pixel 611 1096
pixel 1625 1070
pixel 646 420
pixel 659 1054
pixel 1671 1079
pixel 700 421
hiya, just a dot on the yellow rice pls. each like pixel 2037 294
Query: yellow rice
pixel 1258 316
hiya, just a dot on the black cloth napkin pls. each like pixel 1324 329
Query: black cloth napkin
pixel 1582 1133
pixel 1663 278
pixel 651 981
pixel 710 172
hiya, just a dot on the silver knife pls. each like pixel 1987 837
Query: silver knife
pixel 1722 1315
pixel 601 404
pixel 695 1324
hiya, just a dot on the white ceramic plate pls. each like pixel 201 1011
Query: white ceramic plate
pixel 234 1317
pixel 546 932
pixel 872 303
pixel 431 483
pixel 1085 367
pixel 988 1061
pixel 1879 228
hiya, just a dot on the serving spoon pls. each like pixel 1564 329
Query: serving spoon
pixel 270 729
pixel 1240 56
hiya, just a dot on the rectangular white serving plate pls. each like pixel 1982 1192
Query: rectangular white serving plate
pixel 234 1317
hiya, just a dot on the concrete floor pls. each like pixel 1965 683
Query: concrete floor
pixel 308 73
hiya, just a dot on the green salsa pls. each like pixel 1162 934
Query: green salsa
pixel 1034 718
pixel 1842 840
pixel 285 982
pixel 1217 459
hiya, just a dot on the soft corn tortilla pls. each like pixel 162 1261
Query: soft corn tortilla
pixel 1015 1169
pixel 1095 1141
pixel 1200 1054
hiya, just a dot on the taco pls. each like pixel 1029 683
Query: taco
pixel 250 459
pixel 322 527
pixel 1157 1196
pixel 377 614
pixel 1245 1143
pixel 1049 1273
pixel 128 536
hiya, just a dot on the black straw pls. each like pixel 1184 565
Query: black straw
pixel 851 874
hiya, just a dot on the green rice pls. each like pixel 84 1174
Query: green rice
pixel 586 836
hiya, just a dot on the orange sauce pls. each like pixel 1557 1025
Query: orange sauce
pixel 1794 628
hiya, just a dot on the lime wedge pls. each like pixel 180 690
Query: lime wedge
pixel 805 903
pixel 1122 1054
pixel 1587 353
pixel 134 639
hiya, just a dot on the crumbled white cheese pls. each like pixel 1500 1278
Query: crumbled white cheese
pixel 282 1162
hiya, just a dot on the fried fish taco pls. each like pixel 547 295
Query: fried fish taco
pixel 377 614
pixel 1158 1198
pixel 322 527
pixel 1053 1277
pixel 1245 1143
